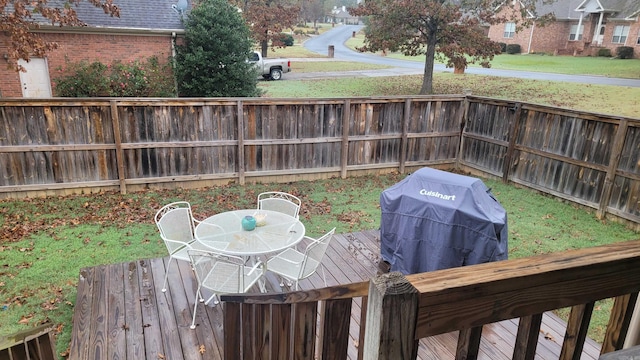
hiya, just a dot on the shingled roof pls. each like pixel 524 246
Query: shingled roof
pixel 134 14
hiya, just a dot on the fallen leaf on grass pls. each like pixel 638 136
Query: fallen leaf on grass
pixel 25 319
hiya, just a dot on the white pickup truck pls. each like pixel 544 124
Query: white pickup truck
pixel 270 68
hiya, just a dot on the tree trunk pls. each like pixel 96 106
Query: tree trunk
pixel 427 79
pixel 264 48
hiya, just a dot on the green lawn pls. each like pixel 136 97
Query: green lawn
pixel 46 241
pixel 603 99
pixel 578 65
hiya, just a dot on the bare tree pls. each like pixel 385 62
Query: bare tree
pixel 267 19
pixel 447 29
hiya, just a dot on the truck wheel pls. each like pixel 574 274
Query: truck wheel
pixel 275 74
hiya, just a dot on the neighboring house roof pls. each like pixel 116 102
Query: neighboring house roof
pixel 134 14
pixel 571 9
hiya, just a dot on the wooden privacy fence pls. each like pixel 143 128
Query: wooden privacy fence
pixel 398 310
pixel 61 145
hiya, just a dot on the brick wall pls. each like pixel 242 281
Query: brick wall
pixel 554 37
pixel 90 47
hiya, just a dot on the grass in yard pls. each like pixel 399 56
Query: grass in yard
pixel 46 241
pixel 578 65
pixel 295 51
pixel 604 99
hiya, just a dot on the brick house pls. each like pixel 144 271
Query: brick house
pixel 581 27
pixel 145 28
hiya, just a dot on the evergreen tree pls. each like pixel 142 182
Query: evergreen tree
pixel 212 60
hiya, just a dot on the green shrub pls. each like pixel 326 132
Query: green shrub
pixel 286 39
pixel 82 79
pixel 147 78
pixel 298 32
pixel 604 52
pixel 212 61
pixel 513 49
pixel 624 52
pixel 503 47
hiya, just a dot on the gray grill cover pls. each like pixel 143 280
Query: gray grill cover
pixel 435 220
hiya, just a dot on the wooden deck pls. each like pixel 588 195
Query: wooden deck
pixel 121 312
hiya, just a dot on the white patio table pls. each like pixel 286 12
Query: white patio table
pixel 223 233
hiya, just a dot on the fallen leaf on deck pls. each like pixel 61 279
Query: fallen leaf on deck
pixel 548 336
pixel 202 350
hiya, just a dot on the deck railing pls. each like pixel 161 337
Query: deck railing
pixel 399 310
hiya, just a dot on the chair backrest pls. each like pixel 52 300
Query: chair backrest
pixel 175 223
pixel 314 253
pixel 279 201
pixel 220 273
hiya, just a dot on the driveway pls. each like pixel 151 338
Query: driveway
pixel 340 34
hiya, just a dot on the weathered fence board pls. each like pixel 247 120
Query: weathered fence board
pixel 564 153
pixel 49 145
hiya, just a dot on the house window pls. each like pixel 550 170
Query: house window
pixel 509 30
pixel 620 33
pixel 575 34
pixel 638 41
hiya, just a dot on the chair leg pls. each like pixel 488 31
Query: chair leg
pixel 195 307
pixel 166 275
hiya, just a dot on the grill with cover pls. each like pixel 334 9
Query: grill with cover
pixel 435 220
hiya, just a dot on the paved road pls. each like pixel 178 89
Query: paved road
pixel 338 35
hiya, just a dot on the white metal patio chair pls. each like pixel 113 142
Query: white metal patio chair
pixel 221 274
pixel 176 225
pixel 279 201
pixel 294 265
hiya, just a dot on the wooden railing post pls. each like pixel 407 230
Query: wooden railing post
pixel 576 333
pixel 468 345
pixel 619 321
pixel 232 328
pixel 527 337
pixel 391 318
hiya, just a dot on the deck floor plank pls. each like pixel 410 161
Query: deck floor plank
pixel 116 313
pixel 98 336
pixel 150 318
pixel 81 330
pixel 133 313
pixel 166 319
pixel 206 340
pixel 121 311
